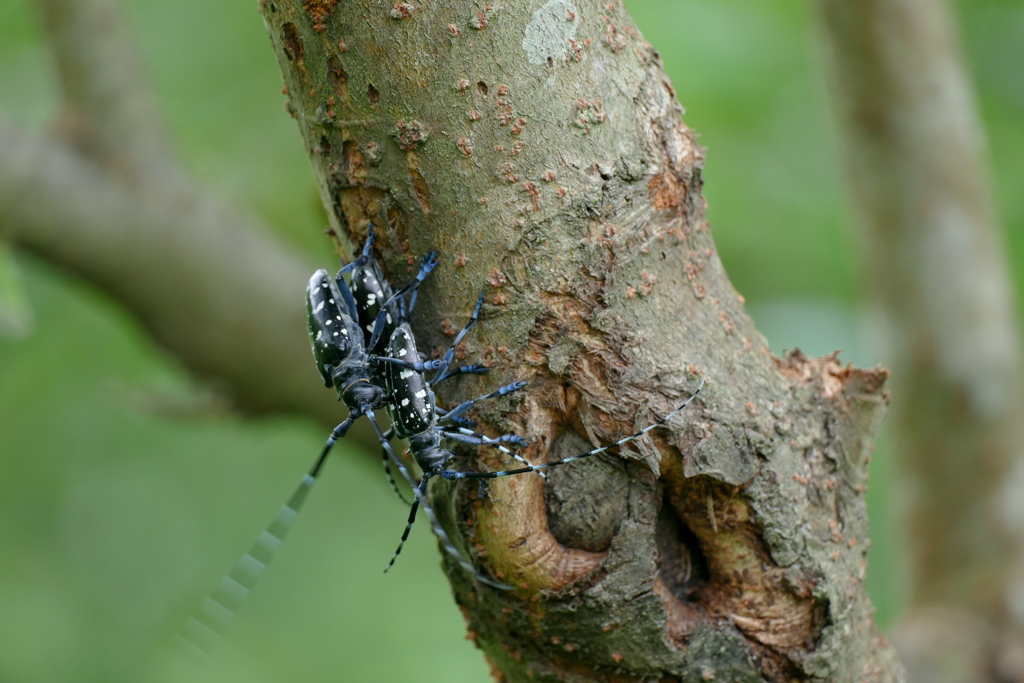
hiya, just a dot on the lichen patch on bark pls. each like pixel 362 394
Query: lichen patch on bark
pixel 547 35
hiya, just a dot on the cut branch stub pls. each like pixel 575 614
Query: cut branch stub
pixel 539 147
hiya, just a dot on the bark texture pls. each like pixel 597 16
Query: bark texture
pixel 540 147
pixel 918 175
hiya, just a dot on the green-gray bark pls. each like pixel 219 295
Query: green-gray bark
pixel 541 149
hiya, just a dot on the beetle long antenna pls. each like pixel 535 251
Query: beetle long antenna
pixel 204 629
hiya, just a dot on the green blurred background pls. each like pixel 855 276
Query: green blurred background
pixel 128 487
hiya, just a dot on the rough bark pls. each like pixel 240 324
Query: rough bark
pixel 540 148
pixel 917 171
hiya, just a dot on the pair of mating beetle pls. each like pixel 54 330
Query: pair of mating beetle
pixel 365 350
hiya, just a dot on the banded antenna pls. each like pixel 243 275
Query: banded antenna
pixel 204 629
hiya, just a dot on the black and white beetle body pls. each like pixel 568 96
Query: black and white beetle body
pixel 371 290
pixel 412 407
pixel 414 416
pixel 411 402
pixel 379 314
pixel 414 412
pixel 338 346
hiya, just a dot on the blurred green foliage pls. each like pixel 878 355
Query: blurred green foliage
pixel 127 488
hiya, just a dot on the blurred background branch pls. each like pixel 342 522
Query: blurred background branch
pixel 210 285
pixel 103 196
pixel 919 184
pixel 109 111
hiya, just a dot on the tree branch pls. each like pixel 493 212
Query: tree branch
pixel 916 167
pixel 541 149
pixel 110 112
pixel 188 268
